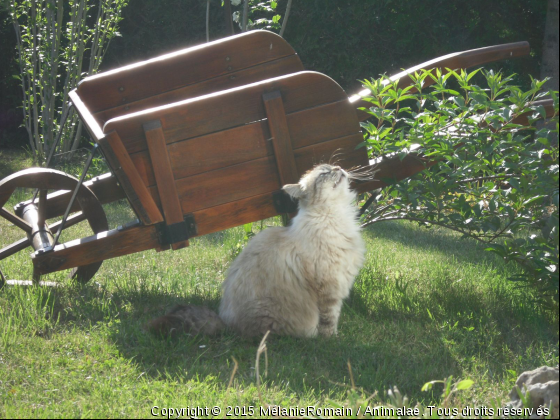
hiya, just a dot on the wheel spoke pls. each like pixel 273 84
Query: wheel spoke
pixel 71 221
pixel 43 180
pixel 13 248
pixel 17 221
pixel 42 210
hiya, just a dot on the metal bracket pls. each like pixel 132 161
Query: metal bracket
pixel 177 232
pixel 283 203
pixel 129 225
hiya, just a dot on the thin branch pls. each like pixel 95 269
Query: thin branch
pixel 368 203
pixel 23 74
pixel 229 21
pixel 34 94
pixel 486 178
pixel 285 21
pixel 416 219
pixel 245 15
pixel 207 20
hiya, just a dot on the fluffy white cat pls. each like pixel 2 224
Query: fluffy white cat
pixel 289 280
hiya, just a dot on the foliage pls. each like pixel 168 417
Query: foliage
pixel 494 179
pixel 59 43
pixel 260 15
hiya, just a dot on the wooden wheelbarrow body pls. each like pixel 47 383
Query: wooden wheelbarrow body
pixel 203 139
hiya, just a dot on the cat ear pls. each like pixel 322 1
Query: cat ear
pixel 293 190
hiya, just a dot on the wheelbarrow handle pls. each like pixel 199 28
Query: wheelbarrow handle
pixel 458 60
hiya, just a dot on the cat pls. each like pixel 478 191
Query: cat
pixel 289 280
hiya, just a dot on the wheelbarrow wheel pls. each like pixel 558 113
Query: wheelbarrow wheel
pixel 32 216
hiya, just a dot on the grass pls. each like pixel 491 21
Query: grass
pixel 426 306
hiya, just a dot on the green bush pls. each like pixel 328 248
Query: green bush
pixel 495 179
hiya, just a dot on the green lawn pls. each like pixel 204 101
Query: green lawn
pixel 426 305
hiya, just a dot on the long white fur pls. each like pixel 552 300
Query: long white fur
pixel 292 280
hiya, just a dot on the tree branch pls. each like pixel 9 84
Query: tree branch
pixel 285 22
pixel 416 219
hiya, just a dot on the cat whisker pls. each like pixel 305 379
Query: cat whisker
pixel 362 173
pixel 336 157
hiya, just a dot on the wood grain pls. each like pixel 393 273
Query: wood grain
pixel 115 243
pixel 258 176
pixel 91 124
pixel 164 177
pixel 252 141
pixel 341 151
pixel 279 67
pixel 281 141
pixel 129 179
pixel 96 248
pixel 226 109
pixel 172 71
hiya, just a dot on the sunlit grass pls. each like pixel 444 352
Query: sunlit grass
pixel 427 305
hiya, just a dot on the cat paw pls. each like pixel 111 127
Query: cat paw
pixel 327 331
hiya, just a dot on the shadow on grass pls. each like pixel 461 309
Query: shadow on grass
pixel 11 161
pixel 392 341
pixel 385 345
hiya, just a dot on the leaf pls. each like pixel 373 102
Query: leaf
pixel 428 385
pixel 248 227
pixel 532 200
pixel 464 384
pixel 472 74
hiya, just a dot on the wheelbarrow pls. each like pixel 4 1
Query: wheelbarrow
pixel 198 141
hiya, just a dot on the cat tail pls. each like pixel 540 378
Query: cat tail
pixel 187 319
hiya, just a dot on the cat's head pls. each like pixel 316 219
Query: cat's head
pixel 321 185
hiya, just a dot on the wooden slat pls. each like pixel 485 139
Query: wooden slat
pixel 89 120
pixel 96 248
pixel 135 189
pixel 226 109
pixel 322 123
pixel 14 248
pixel 225 216
pixel 255 177
pixel 252 141
pixel 15 220
pixel 164 177
pixel 115 243
pixel 340 151
pixel 284 65
pixel 172 71
pixel 228 184
pixel 394 169
pixel 281 141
